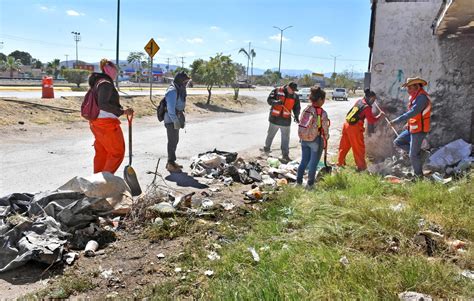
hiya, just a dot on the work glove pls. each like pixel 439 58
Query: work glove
pixel 177 125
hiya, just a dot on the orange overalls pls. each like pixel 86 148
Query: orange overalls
pixel 109 144
pixel 353 137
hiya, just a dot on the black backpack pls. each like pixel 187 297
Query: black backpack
pixel 161 110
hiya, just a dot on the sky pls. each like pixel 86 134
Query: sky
pixel 193 29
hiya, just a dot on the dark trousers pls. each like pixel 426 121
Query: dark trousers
pixel 173 139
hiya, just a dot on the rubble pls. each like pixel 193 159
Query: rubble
pixel 450 154
pixel 468 274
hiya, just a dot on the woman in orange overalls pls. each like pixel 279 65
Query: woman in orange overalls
pixel 109 144
pixel 353 133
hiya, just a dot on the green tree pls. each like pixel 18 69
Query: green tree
pixel 180 69
pixel 37 64
pixel 196 68
pixel 53 68
pixel 240 69
pixel 76 76
pixel 3 57
pixel 219 70
pixel 307 80
pixel 23 56
pixel 11 64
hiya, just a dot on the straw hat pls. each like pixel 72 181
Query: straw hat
pixel 415 80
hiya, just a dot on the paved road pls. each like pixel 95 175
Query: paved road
pixel 33 162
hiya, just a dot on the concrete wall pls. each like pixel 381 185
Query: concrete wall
pixel 404 46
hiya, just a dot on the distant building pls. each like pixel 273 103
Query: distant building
pixel 432 39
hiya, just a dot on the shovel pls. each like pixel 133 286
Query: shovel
pixel 129 173
pixel 326 170
pixel 386 118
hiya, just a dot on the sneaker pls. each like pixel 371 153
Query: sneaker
pixel 173 167
pixel 265 150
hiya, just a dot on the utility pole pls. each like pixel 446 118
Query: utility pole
pixel 77 38
pixel 117 45
pixel 182 62
pixel 67 62
pixel 168 65
pixel 335 59
pixel 281 44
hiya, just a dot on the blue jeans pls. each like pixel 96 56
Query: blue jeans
pixel 411 143
pixel 311 155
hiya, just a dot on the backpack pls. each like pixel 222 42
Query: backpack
pixel 161 110
pixel 310 124
pixel 353 116
pixel 90 107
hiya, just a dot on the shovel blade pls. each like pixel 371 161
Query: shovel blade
pixel 130 177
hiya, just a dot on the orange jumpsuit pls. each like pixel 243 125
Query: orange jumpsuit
pixel 109 144
pixel 353 137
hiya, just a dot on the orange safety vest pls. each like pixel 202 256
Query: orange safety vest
pixel 285 109
pixel 421 122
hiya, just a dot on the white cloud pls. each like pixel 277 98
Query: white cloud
pixel 187 54
pixel 215 28
pixel 277 38
pixel 195 41
pixel 74 13
pixel 44 8
pixel 47 8
pixel 230 41
pixel 102 20
pixel 319 40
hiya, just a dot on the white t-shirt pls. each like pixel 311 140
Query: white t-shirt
pixel 104 114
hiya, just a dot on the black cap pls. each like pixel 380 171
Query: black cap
pixel 293 86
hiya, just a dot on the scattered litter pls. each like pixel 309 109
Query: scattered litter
pixel 264 248
pixel 163 209
pixel 414 296
pixel 158 221
pixel 282 182
pixel 160 256
pixel 344 261
pixel 184 201
pixel 183 277
pixel 214 189
pixel 207 204
pixel 273 162
pixel 106 274
pixel 397 208
pixel 468 274
pixel 254 253
pixel 178 270
pixel 90 249
pixel 70 257
pixel 254 194
pixel 112 295
pixel 209 273
pixel 268 181
pixel 440 179
pixel 285 247
pixel 393 179
pixel 227 206
pixel 213 256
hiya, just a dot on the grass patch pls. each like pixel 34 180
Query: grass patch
pixel 301 237
pixel 67 285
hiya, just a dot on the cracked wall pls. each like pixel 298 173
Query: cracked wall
pixel 404 46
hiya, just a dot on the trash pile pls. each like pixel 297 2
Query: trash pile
pixel 450 161
pixel 44 227
pixel 228 168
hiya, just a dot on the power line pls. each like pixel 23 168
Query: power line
pixel 309 56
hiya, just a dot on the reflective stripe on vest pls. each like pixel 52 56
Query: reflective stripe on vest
pixel 421 122
pixel 285 109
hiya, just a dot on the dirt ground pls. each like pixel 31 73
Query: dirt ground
pixel 67 109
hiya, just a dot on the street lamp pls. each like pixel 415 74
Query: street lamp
pixel 77 38
pixel 281 43
pixel 118 44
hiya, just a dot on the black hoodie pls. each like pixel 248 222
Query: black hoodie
pixel 107 96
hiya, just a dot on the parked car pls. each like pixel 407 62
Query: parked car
pixel 340 93
pixel 244 84
pixel 303 94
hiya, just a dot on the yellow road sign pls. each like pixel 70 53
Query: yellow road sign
pixel 152 48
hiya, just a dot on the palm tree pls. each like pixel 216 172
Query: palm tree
pixel 253 54
pixel 54 65
pixel 242 50
pixel 11 64
pixel 250 56
pixel 136 58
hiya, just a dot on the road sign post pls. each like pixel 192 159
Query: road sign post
pixel 151 48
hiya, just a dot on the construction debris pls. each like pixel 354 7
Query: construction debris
pixel 449 155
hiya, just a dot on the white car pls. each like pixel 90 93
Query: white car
pixel 303 94
pixel 340 93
